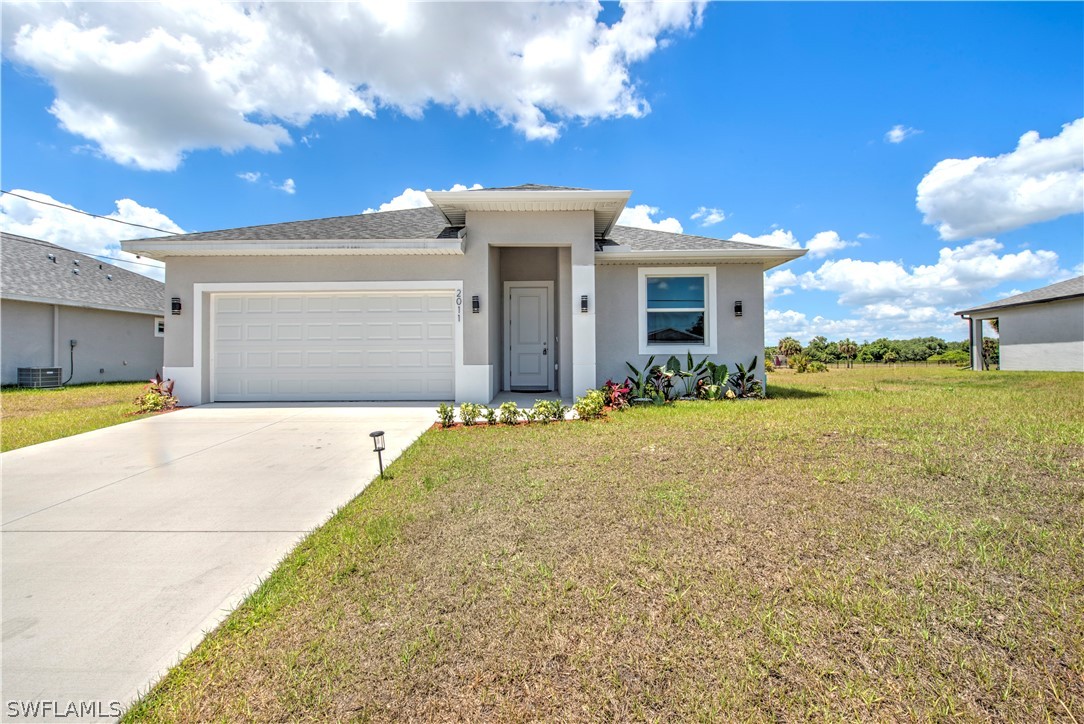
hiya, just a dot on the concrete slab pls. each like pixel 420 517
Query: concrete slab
pixel 122 546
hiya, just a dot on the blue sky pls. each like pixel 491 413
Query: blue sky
pixel 770 122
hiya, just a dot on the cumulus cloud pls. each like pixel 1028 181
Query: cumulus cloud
pixel 288 186
pixel 415 199
pixel 899 133
pixel 708 216
pixel 149 82
pixel 250 176
pixel 640 216
pixel 886 298
pixel 821 244
pixel 1042 179
pixel 64 227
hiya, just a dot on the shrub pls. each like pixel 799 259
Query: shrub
pixel 591 405
pixel 469 412
pixel 799 363
pixel 768 366
pixel 508 414
pixel 489 414
pixel 617 396
pixel 547 410
pixel 157 396
pixel 446 413
pixel 816 366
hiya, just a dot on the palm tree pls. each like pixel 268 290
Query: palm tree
pixel 848 349
pixel 788 346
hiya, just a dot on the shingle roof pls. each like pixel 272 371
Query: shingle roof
pixel 532 187
pixel 423 223
pixel 656 240
pixel 428 223
pixel 1061 290
pixel 26 272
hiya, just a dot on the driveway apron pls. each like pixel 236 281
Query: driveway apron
pixel 121 547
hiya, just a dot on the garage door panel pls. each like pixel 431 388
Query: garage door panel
pixel 344 346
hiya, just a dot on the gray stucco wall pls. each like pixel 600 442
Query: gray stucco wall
pixel 110 346
pixel 1048 336
pixel 739 338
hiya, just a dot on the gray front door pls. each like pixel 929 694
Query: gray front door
pixel 529 354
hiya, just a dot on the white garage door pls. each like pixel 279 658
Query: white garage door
pixel 386 345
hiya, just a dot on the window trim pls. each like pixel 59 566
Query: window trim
pixel 710 345
pixel 159 332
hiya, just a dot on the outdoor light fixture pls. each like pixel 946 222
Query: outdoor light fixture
pixel 378 447
pixel 175 305
pixel 583 304
pixel 737 308
pixel 475 304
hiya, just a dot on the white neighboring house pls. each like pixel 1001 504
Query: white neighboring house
pixel 50 296
pixel 528 288
pixel 1039 330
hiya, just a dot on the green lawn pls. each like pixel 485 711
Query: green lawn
pixel 877 544
pixel 28 417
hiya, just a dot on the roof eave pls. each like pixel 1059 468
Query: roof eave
pixel 164 248
pixel 984 309
pixel 769 258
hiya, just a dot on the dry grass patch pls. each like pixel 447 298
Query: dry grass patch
pixel 874 544
pixel 29 416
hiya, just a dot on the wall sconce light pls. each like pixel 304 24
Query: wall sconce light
pixel 378 447
pixel 475 304
pixel 175 305
pixel 737 308
pixel 583 304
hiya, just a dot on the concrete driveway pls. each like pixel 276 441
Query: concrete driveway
pixel 122 546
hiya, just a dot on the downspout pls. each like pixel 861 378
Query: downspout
pixel 56 335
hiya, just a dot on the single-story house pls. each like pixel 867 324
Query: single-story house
pixel 1039 330
pixel 59 308
pixel 532 288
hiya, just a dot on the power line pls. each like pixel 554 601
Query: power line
pixel 49 245
pixel 85 213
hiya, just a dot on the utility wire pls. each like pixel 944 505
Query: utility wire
pixel 85 213
pixel 49 245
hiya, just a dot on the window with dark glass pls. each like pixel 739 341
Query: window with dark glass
pixel 675 310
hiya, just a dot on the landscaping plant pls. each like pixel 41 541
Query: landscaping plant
pixel 157 396
pixel 489 414
pixel 617 396
pixel 509 413
pixel 446 413
pixel 745 382
pixel 469 412
pixel 591 405
pixel 547 410
pixel 640 384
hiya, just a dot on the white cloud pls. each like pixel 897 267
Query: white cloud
pixel 709 216
pixel 898 134
pixel 85 233
pixel 885 298
pixel 1041 180
pixel 822 244
pixel 415 199
pixel 149 82
pixel 640 216
pixel 864 235
pixel 250 176
pixel 287 186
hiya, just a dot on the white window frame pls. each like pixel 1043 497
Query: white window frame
pixel 710 345
pixel 159 331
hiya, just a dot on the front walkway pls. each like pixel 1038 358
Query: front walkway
pixel 122 546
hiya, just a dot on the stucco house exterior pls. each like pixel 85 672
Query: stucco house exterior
pixel 50 296
pixel 531 288
pixel 1039 330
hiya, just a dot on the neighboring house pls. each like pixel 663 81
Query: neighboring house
pixel 528 288
pixel 1039 330
pixel 50 296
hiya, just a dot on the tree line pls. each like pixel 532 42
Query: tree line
pixel 918 349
